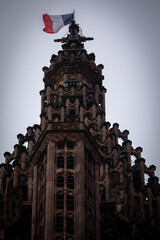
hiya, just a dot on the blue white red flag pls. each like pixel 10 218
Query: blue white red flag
pixel 53 23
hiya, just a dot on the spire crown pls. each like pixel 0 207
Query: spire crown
pixel 74 40
pixel 74 28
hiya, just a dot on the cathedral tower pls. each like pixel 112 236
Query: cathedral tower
pixel 78 178
pixel 66 157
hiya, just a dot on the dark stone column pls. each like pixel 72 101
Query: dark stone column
pixel 34 204
pixel 80 192
pixel 97 218
pixel 50 200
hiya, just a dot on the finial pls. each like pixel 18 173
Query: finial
pixel 74 28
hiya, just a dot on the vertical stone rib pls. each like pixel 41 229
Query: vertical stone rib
pixel 142 161
pixel 15 178
pixel 80 192
pixel 42 93
pixel 49 208
pixel 49 113
pixel 97 93
pixel 107 186
pixel 48 94
pixel 34 204
pixel 77 106
pixel 62 114
pixel 94 111
pixel 30 184
pixel 103 101
pixel 96 189
pixel 81 114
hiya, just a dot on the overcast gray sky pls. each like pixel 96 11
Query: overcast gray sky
pixel 126 41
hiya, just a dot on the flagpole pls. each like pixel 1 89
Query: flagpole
pixel 73 14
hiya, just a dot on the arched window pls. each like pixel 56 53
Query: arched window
pixel 70 203
pixel 60 181
pixel 69 238
pixel 60 162
pixel 70 162
pixel 102 192
pixel 60 201
pixel 60 145
pixel 59 224
pixel 24 186
pixel 70 145
pixel 70 225
pixel 70 182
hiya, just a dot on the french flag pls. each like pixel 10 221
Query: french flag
pixel 53 23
